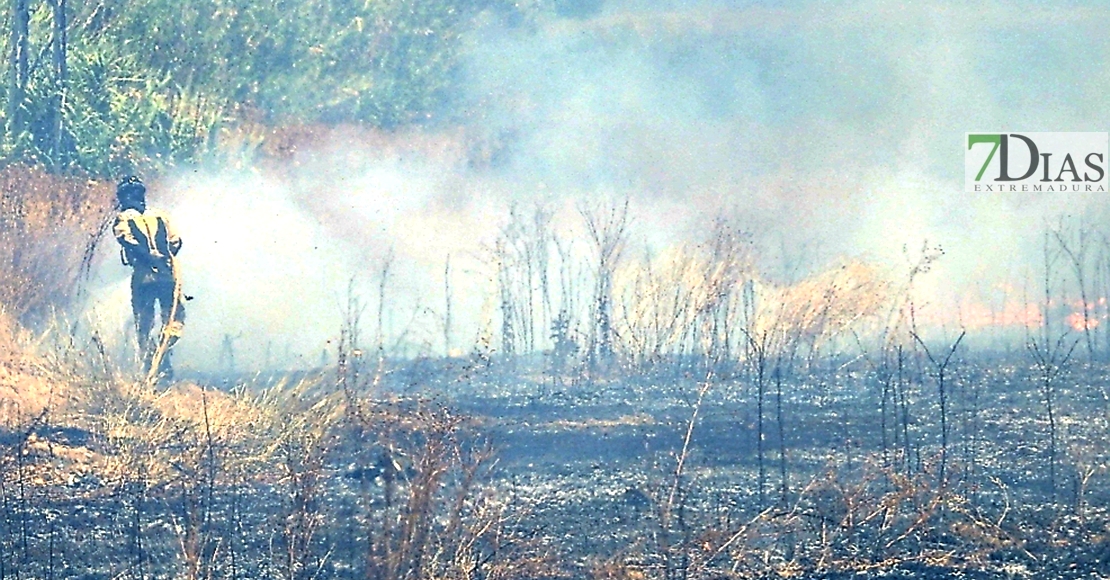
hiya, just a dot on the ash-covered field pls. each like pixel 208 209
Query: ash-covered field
pixel 439 469
pixel 595 464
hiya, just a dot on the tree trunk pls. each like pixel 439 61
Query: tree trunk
pixel 58 149
pixel 17 67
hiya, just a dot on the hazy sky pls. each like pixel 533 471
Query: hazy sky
pixel 828 128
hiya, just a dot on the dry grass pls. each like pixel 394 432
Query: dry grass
pixel 32 382
pixel 49 228
pixel 192 455
pixel 872 519
pixel 25 394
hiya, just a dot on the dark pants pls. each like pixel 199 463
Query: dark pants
pixel 144 296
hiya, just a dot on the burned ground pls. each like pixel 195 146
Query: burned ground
pixel 513 474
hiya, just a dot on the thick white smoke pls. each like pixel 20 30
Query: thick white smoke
pixel 828 129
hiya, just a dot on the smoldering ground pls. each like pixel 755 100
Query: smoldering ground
pixel 826 129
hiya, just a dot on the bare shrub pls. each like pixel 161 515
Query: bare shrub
pixel 430 516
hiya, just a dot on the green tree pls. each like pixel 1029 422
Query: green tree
pixel 141 83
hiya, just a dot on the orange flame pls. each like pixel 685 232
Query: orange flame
pixel 1075 320
pixel 974 315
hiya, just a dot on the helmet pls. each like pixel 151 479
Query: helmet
pixel 130 183
pixel 131 193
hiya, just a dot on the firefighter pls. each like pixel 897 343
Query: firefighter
pixel 149 245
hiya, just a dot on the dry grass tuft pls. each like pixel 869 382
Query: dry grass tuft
pixel 50 226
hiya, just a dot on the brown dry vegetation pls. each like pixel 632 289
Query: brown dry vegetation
pixel 298 481
pixel 78 435
pixel 327 476
pixel 49 227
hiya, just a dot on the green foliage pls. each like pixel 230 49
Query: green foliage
pixel 150 82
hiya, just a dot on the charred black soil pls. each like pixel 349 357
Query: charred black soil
pixel 517 474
